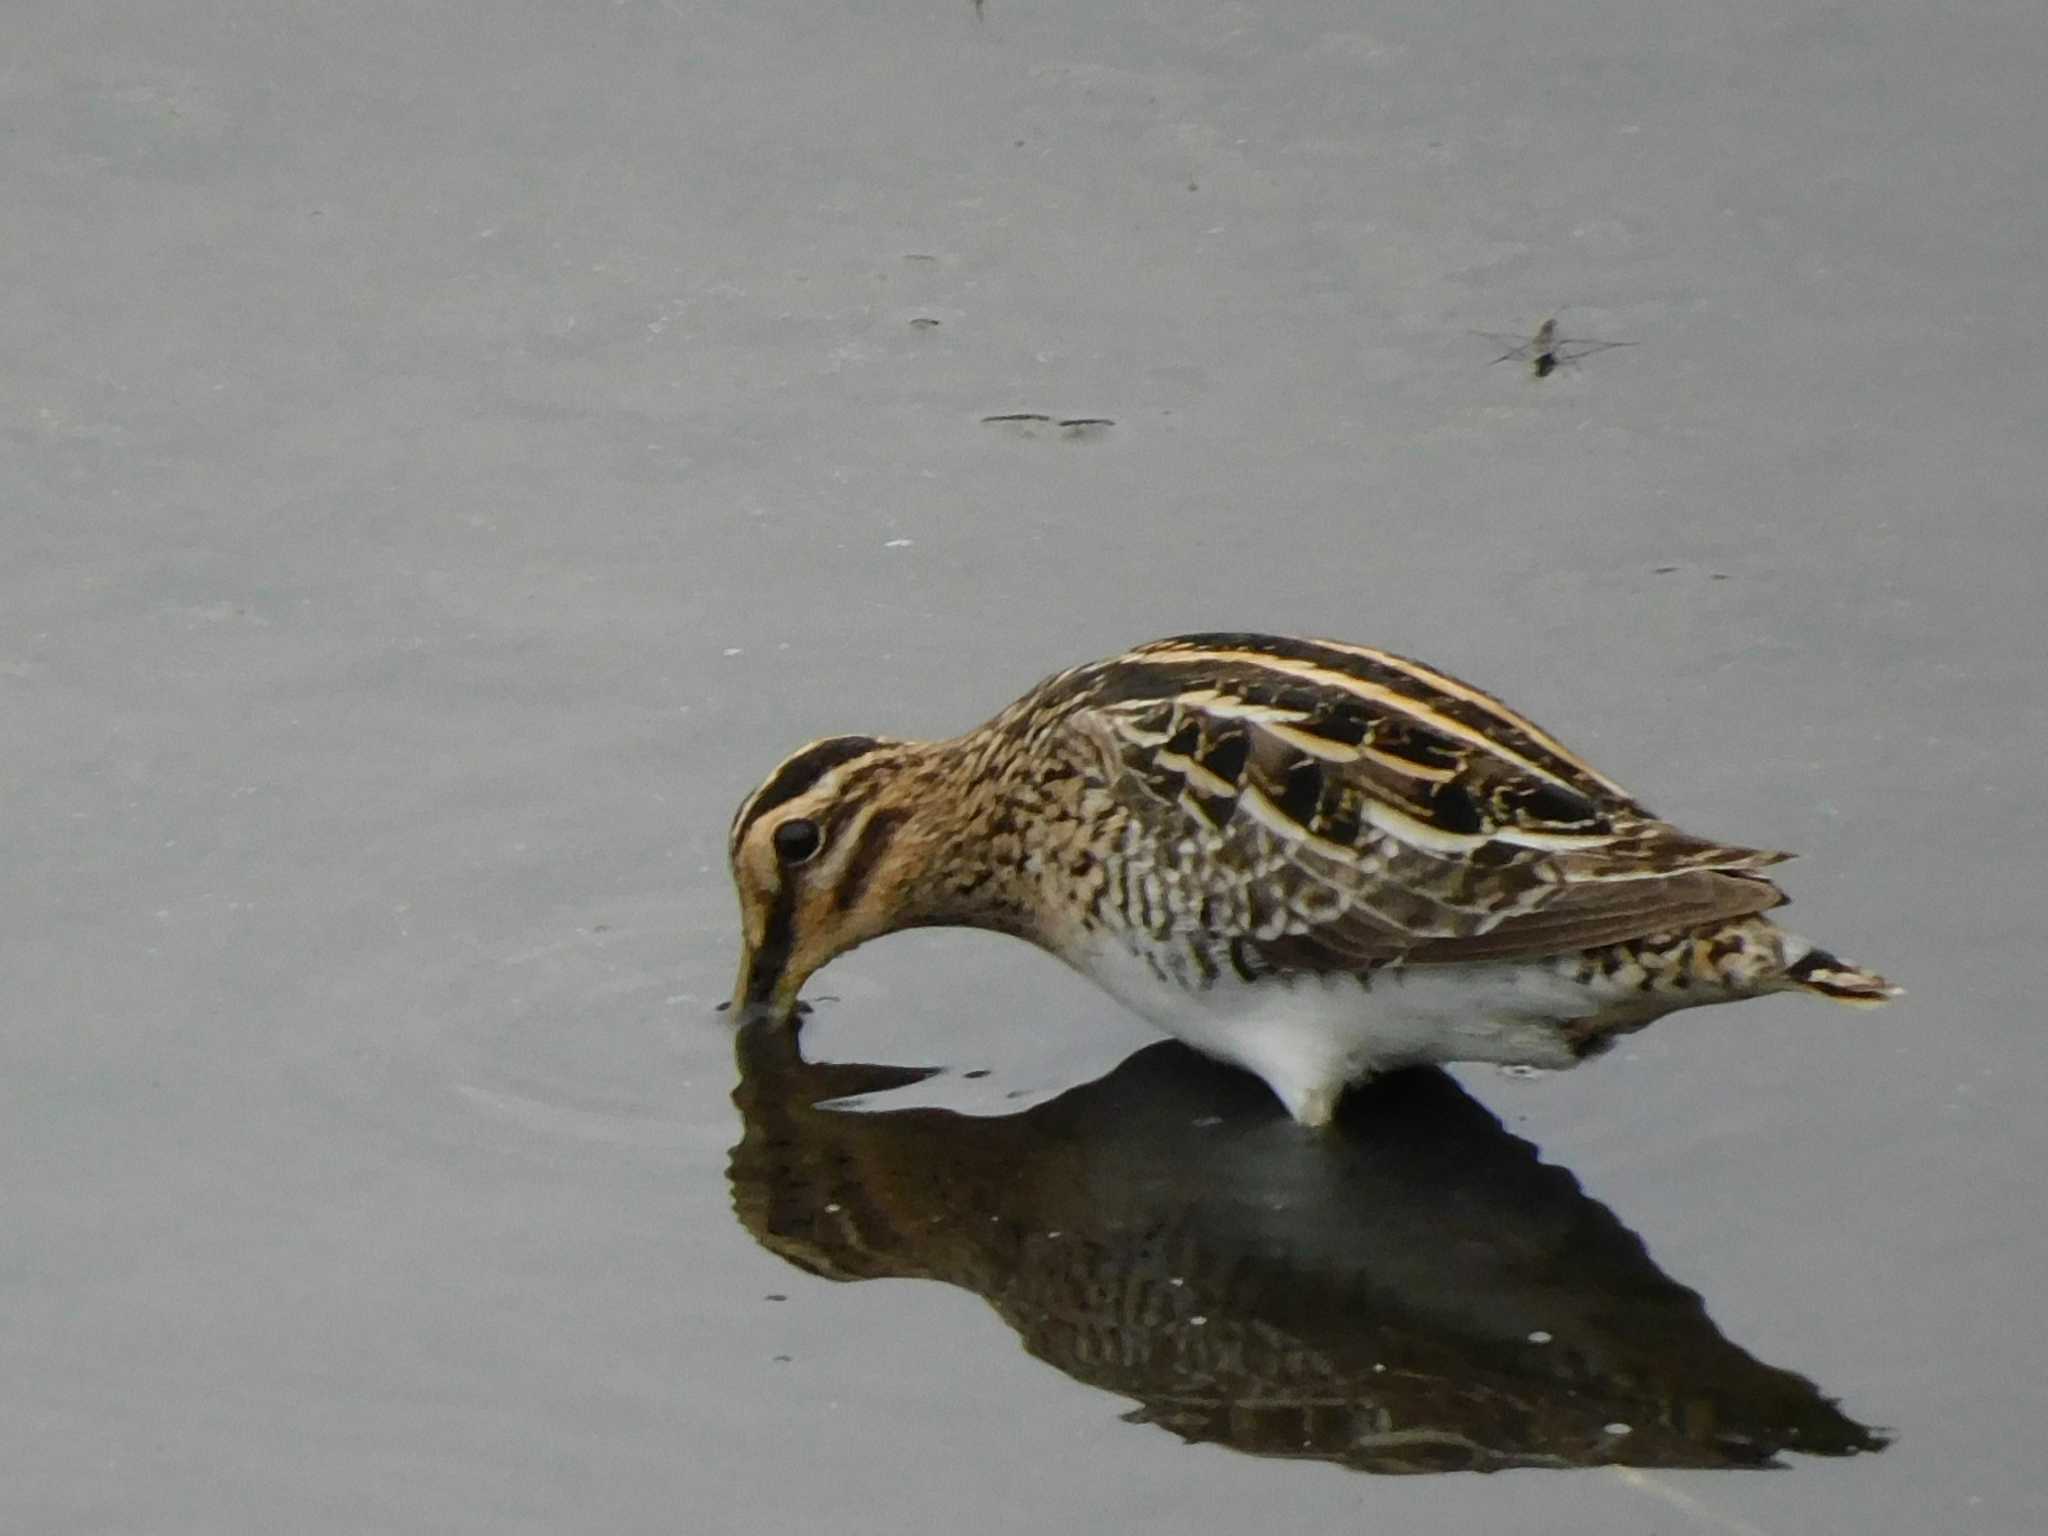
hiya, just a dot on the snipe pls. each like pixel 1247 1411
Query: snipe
pixel 1318 861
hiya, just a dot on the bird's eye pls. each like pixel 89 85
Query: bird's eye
pixel 797 840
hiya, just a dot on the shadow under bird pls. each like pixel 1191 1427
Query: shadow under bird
pixel 1314 860
pixel 1413 1291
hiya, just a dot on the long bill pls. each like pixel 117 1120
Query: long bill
pixel 766 988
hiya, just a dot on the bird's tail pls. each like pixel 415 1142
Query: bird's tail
pixel 1840 980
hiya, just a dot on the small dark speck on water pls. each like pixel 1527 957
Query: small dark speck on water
pixel 784 1359
pixel 775 1296
pixel 1666 570
pixel 923 322
pixel 1717 576
pixel 1026 424
pixel 977 1072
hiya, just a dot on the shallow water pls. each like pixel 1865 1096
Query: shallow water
pixel 451 452
pixel 1412 1291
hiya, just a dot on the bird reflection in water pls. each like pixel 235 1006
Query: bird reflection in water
pixel 1411 1290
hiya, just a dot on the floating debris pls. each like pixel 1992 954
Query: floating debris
pixel 1032 425
pixel 1546 351
pixel 1040 418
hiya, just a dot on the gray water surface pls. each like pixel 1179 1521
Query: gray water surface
pixel 451 452
pixel 1409 1291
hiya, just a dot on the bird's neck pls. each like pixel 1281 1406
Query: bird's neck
pixel 1002 829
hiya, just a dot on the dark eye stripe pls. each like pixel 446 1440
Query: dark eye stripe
pixel 866 857
pixel 778 935
pixel 798 775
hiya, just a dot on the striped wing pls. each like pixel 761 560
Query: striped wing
pixel 1360 808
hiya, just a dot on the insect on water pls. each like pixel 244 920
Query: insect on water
pixel 1546 351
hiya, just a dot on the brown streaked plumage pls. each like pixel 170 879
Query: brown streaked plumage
pixel 1314 859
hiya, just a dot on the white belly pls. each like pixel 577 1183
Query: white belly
pixel 1310 1037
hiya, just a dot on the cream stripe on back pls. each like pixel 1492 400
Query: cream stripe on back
pixel 1397 703
pixel 1471 695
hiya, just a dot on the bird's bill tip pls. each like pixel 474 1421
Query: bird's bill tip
pixel 764 990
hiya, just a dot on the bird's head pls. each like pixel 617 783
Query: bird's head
pixel 825 855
